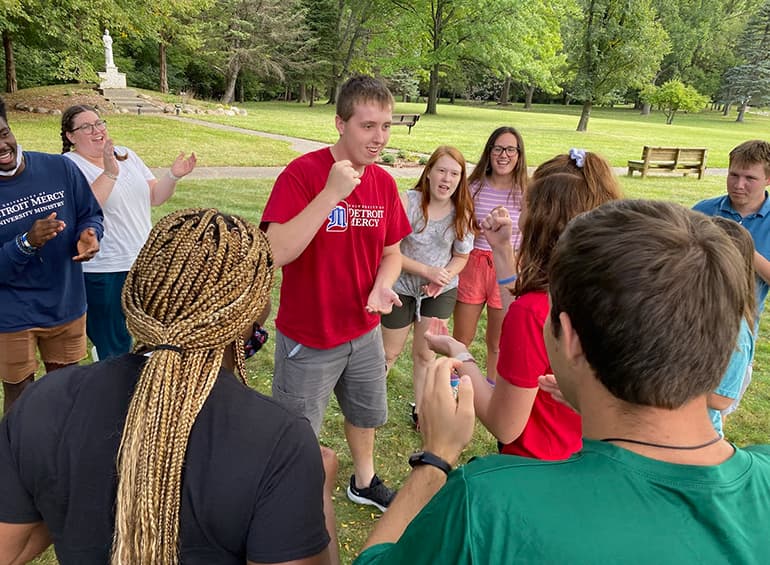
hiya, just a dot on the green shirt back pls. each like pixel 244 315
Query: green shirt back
pixel 604 505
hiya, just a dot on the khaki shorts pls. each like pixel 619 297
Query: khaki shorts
pixel 63 345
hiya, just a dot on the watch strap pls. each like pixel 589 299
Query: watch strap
pixel 427 458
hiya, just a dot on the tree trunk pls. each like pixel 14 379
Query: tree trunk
pixel 302 95
pixel 670 118
pixel 432 91
pixel 163 67
pixel 334 89
pixel 452 97
pixel 585 116
pixel 312 95
pixel 726 109
pixel 566 98
pixel 529 92
pixel 742 111
pixel 645 109
pixel 10 65
pixel 241 91
pixel 505 94
pixel 233 70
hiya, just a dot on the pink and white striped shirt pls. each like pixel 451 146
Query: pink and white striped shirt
pixel 489 198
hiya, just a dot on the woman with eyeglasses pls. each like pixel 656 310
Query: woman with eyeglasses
pixel 499 179
pixel 125 188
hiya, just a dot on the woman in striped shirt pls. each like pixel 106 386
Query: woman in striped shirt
pixel 499 179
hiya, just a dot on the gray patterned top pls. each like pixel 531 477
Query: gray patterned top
pixel 432 246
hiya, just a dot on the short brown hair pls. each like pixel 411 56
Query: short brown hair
pixel 360 89
pixel 752 152
pixel 655 293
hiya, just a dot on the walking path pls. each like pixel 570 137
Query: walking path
pixel 304 146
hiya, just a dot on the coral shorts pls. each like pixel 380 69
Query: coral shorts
pixel 478 281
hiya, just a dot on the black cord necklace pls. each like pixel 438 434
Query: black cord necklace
pixel 661 445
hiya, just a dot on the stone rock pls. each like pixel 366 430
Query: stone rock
pixel 55 112
pixel 243 112
pixel 229 113
pixel 40 110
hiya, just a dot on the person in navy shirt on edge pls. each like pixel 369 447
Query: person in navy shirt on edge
pixel 50 223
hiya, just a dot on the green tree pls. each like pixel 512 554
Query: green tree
pixel 256 35
pixel 176 22
pixel 439 35
pixel 614 46
pixel 11 13
pixel 674 96
pixel 68 32
pixel 703 35
pixel 749 82
pixel 356 23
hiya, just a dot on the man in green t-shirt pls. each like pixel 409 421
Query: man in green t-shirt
pixel 646 301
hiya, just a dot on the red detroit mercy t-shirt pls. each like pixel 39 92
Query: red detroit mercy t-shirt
pixel 324 291
pixel 553 430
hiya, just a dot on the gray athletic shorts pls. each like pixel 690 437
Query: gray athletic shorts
pixel 305 378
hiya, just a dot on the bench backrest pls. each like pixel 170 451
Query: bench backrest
pixel 405 118
pixel 690 155
pixel 676 154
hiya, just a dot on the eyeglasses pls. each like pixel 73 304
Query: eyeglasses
pixel 100 125
pixel 497 150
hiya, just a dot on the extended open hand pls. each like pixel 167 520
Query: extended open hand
pixel 440 341
pixel 45 229
pixel 88 246
pixel 381 300
pixel 182 167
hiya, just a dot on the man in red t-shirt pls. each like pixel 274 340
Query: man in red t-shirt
pixel 334 221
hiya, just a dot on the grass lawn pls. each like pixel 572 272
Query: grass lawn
pixel 158 140
pixel 619 134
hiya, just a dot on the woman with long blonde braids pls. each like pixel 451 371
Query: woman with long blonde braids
pixel 208 470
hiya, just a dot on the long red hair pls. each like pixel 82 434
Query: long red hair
pixel 462 200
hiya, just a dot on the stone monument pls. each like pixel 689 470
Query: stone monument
pixel 111 78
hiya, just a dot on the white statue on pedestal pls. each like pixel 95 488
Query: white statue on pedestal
pixel 108 49
pixel 111 78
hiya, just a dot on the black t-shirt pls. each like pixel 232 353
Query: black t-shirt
pixel 252 484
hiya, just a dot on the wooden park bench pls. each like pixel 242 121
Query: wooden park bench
pixel 683 160
pixel 407 120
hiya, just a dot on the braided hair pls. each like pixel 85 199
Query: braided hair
pixel 200 280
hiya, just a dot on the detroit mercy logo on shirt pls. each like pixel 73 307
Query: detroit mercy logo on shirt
pixel 346 215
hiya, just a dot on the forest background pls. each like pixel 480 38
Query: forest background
pixel 678 55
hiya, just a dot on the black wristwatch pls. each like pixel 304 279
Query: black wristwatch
pixel 428 458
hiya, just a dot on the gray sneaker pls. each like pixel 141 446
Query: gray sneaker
pixel 376 494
